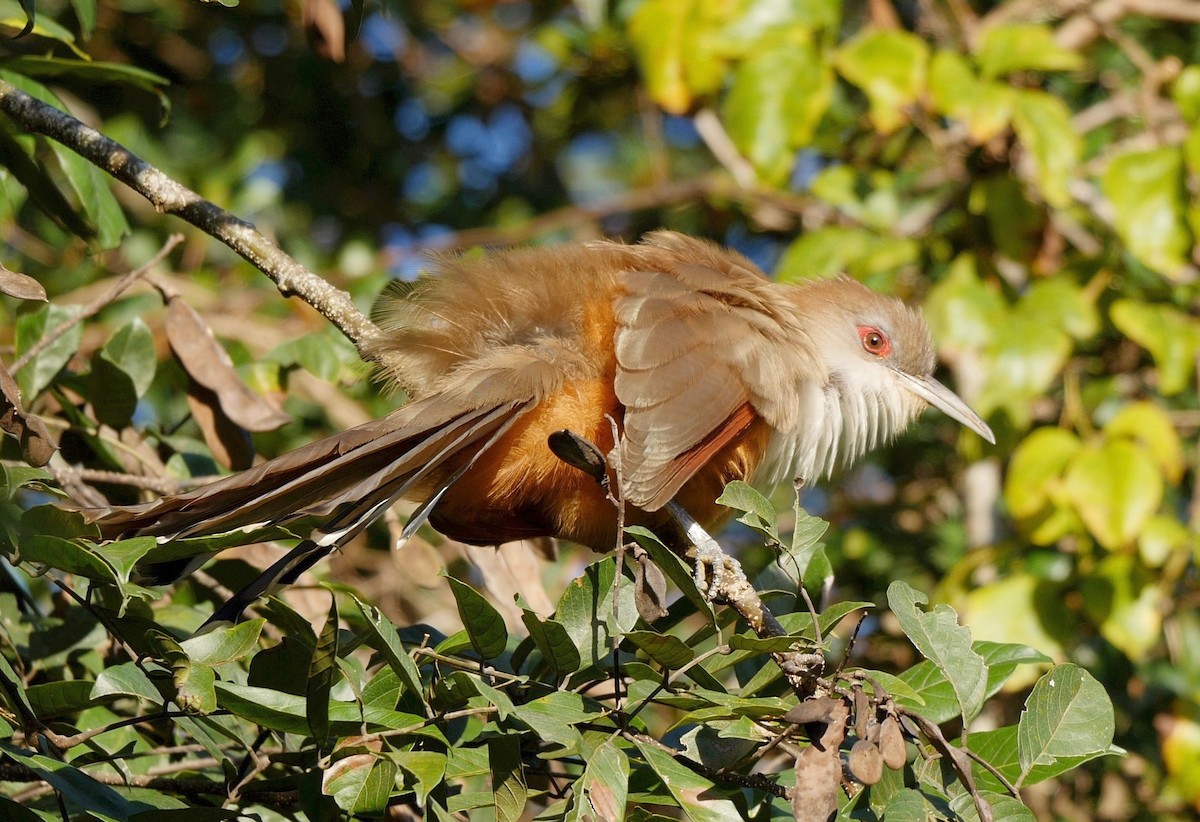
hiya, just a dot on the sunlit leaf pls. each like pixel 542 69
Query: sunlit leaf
pixel 1043 124
pixel 1171 336
pixel 1123 599
pixel 889 66
pixel 1116 488
pixel 983 106
pixel 1067 714
pixel 1146 190
pixel 1023 47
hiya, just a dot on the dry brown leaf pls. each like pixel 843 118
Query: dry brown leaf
pixel 650 587
pixel 21 286
pixel 36 445
pixel 816 709
pixel 207 363
pixel 819 769
pixel 230 444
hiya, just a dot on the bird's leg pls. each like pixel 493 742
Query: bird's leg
pixel 723 570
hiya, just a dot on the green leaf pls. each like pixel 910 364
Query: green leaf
pixel 777 99
pixel 759 512
pixel 1023 47
pixel 508 777
pixel 321 669
pixel 668 651
pixel 483 623
pixel 131 349
pixel 1068 714
pixel 699 798
pixel 1043 124
pixel 286 712
pixel 31 329
pixel 889 66
pixel 945 643
pixel 602 792
pixel 126 679
pixel 999 749
pixel 1147 423
pixel 983 106
pixel 1038 463
pixel 384 638
pixel 1115 487
pixel 68 556
pixel 932 688
pixel 55 699
pixel 1062 304
pixel 364 789
pixel 226 644
pixel 75 786
pixel 428 768
pixel 1020 608
pixel 1148 197
pixel 964 313
pixel 1125 601
pixel 123 555
pixel 553 717
pixel 553 641
pixel 831 250
pixel 674 41
pixel 1171 336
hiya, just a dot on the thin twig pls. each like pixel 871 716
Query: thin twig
pixel 95 306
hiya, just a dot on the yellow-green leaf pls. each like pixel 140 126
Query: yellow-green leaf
pixel 1149 424
pixel 1123 599
pixel 1022 47
pixel 778 97
pixel 1043 124
pixel 983 106
pixel 889 66
pixel 963 312
pixel 1116 488
pixel 1146 189
pixel 1171 336
pixel 1036 469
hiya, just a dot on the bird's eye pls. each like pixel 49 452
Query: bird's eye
pixel 874 341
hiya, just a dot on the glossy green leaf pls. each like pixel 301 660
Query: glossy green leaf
pixel 322 668
pixel 553 717
pixel 126 679
pixel 889 66
pixel 669 38
pixel 483 622
pixel 1171 336
pixel 384 638
pixel 364 788
pixel 131 349
pixel 999 749
pixel 758 512
pixel 553 641
pixel 225 644
pixel 1146 190
pixel 75 786
pixel 1023 47
pixel 428 768
pixel 833 250
pixel 56 699
pixel 1068 714
pixel 1115 487
pixel 1043 124
pixel 777 99
pixel 945 643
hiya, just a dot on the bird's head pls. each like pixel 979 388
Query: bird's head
pixel 880 358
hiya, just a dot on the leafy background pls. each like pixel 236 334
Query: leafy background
pixel 1026 171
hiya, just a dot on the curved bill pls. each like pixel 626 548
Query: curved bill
pixel 946 401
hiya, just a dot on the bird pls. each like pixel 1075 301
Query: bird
pixel 677 356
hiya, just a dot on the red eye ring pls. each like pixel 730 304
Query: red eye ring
pixel 874 341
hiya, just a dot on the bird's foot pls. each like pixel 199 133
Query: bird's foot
pixel 715 572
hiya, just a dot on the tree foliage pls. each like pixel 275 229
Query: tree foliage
pixel 1027 172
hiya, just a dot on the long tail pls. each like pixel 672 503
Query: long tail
pixel 348 480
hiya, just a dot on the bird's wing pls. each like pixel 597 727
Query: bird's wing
pixel 703 350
